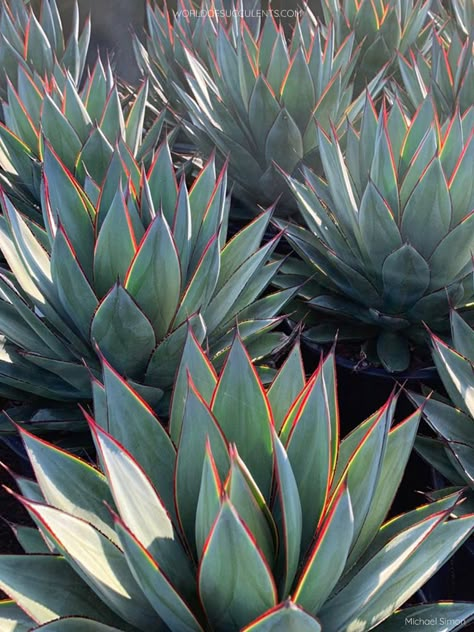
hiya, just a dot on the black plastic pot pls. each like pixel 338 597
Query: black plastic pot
pixel 362 390
pixel 427 374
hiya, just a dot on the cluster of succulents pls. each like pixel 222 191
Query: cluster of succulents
pixel 389 232
pixel 230 529
pixel 254 94
pixel 382 28
pixel 83 126
pixel 187 472
pixel 448 76
pixel 124 270
pixel 37 45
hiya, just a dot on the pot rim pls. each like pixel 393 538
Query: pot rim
pixel 426 373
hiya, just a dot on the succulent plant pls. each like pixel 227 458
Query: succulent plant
pixel 255 96
pixel 169 33
pixel 383 29
pixel 37 46
pixel 454 15
pixel 390 232
pixel 255 516
pixel 128 267
pixel 83 126
pixel 452 453
pixel 447 74
pixel 464 14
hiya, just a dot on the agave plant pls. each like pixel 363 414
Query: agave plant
pixel 38 45
pixel 464 15
pixel 383 28
pixel 453 452
pixel 256 97
pixel 128 267
pixel 390 232
pixel 447 73
pixel 255 516
pixel 455 14
pixel 83 126
pixel 169 33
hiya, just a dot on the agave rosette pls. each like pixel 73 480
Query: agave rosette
pixel 127 267
pixel 447 73
pixel 37 45
pixel 169 33
pixel 254 517
pixel 83 126
pixel 452 453
pixel 389 233
pixel 383 29
pixel 259 97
